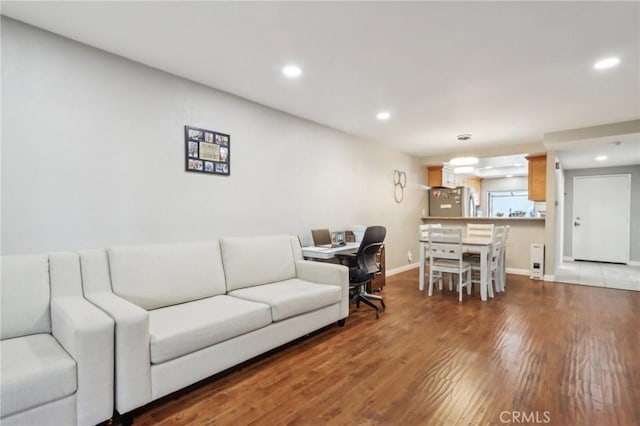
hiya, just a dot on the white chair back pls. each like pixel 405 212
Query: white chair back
pixel 424 230
pixel 497 244
pixel 445 243
pixel 445 246
pixel 480 230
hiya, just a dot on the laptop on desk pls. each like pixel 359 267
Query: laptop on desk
pixel 322 238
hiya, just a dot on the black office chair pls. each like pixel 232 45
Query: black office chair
pixel 366 266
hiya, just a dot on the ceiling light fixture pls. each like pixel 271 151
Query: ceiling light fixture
pixel 463 169
pixel 464 160
pixel 601 157
pixel 606 63
pixel 489 167
pixel 292 71
pixel 383 115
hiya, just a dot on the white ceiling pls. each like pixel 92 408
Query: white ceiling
pixel 501 166
pixel 507 72
pixel 581 154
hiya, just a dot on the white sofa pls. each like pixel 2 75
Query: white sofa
pixel 184 312
pixel 57 348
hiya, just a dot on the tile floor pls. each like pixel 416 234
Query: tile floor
pixel 608 275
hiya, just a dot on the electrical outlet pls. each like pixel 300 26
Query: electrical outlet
pixel 409 256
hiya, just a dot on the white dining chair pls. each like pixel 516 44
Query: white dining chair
pixel 479 230
pixel 502 267
pixel 495 272
pixel 424 236
pixel 424 230
pixel 445 248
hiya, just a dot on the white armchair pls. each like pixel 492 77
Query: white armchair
pixel 56 347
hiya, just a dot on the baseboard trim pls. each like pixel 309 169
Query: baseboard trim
pixel 568 258
pixel 400 269
pixel 549 278
pixel 517 271
pixel 634 263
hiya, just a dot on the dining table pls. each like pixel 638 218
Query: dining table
pixel 470 244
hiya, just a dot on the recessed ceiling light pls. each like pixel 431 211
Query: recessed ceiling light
pixel 292 71
pixel 509 175
pixel 383 115
pixel 606 63
pixel 601 157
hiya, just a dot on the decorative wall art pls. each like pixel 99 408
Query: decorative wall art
pixel 399 182
pixel 207 151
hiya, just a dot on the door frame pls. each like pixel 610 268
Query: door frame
pixel 628 221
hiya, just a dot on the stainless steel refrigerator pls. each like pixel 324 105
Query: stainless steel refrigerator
pixel 451 202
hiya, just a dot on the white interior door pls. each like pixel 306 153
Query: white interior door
pixel 601 214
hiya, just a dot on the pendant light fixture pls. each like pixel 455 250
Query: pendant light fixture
pixel 464 160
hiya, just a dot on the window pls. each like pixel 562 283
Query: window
pixel 510 204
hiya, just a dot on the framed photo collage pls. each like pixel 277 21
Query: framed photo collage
pixel 207 151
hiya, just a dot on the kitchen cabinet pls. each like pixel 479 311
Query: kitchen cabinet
pixel 537 177
pixel 475 183
pixel 434 176
pixel 441 176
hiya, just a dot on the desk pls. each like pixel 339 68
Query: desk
pixel 326 252
pixel 472 244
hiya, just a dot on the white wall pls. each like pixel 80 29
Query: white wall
pixel 559 214
pixel 93 156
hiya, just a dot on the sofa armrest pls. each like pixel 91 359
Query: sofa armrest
pixel 132 356
pixel 86 333
pixel 327 273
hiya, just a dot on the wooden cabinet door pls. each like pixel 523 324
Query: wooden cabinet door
pixel 434 176
pixel 537 177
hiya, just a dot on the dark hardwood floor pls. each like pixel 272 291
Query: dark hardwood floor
pixel 543 352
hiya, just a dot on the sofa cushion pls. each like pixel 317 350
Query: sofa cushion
pixel 25 296
pixel 35 370
pixel 162 275
pixel 181 329
pixel 251 261
pixel 291 297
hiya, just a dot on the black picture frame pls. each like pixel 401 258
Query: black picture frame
pixel 207 151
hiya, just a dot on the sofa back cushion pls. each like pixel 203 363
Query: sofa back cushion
pixel 156 276
pixel 25 296
pixel 250 261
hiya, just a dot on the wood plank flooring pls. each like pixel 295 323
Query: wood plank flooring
pixel 543 353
